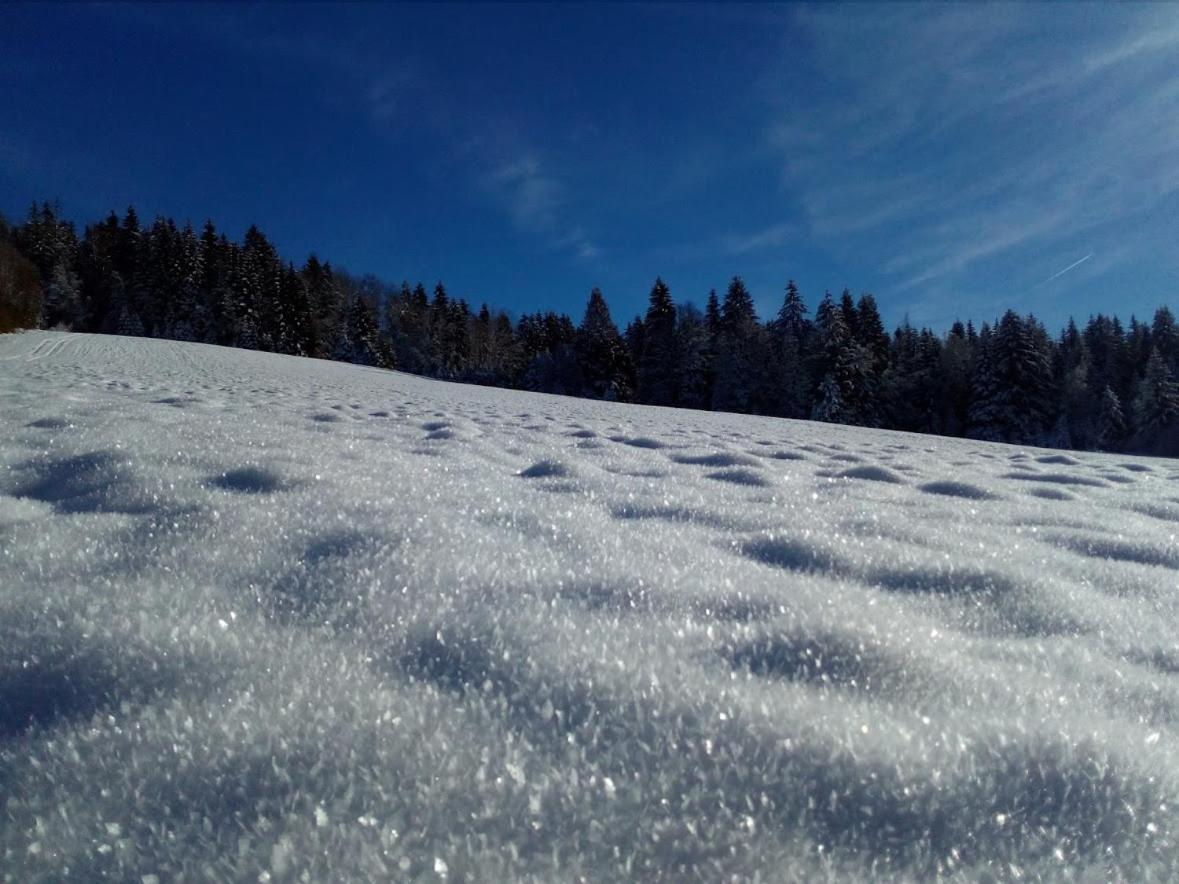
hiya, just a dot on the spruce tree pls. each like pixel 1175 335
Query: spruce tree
pixel 602 353
pixel 957 364
pixel 712 331
pixel 694 349
pixel 1014 396
pixel 842 366
pixel 789 382
pixel 325 303
pixel 506 350
pixel 20 289
pixel 50 243
pixel 635 335
pixel 1156 403
pixel 657 364
pixel 1111 421
pixel 1164 337
pixel 740 357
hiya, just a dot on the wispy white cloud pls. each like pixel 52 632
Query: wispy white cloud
pixel 530 196
pixel 536 201
pixel 982 138
pixel 400 94
pixel 771 237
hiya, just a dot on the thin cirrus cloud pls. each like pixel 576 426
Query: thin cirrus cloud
pixel 770 237
pixel 537 204
pixel 981 139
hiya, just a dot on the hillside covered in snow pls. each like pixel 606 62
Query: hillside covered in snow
pixel 265 618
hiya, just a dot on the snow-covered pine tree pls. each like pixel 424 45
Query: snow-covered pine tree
pixel 260 298
pixel 841 362
pixel 481 331
pixel 1111 421
pixel 792 316
pixel 458 338
pixel 125 318
pixel 505 350
pixel 300 339
pixel 829 405
pixel 50 243
pixel 1014 399
pixel 1156 404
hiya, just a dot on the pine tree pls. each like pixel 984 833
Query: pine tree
pixel 911 390
pixel 458 340
pixel 851 316
pixel 51 245
pixel 20 289
pixel 481 341
pixel 788 378
pixel 1157 401
pixel 261 316
pixel 131 265
pixel 712 330
pixel 985 415
pixel 740 356
pixel 361 342
pixel 635 336
pixel 695 358
pixel 601 352
pixel 96 273
pixel 126 319
pixel 957 365
pixel 300 338
pixel 187 318
pixel 792 319
pixel 657 380
pixel 1111 421
pixel 874 342
pixel 553 367
pixel 440 337
pixel 218 260
pixel 506 350
pixel 1164 337
pixel 842 365
pixel 326 302
pixel 1014 396
pixel 829 406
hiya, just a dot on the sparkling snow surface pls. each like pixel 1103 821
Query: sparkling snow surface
pixel 271 619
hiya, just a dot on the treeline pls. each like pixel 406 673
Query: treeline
pixel 1107 386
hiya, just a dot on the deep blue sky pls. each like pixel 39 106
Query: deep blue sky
pixel 952 159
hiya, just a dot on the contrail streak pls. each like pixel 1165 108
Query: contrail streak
pixel 1069 267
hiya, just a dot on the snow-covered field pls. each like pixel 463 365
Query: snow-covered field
pixel 267 619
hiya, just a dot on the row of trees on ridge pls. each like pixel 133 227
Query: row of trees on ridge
pixel 1104 386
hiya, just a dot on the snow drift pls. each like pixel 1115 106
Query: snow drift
pixel 265 618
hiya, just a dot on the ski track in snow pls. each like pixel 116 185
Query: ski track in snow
pixel 263 617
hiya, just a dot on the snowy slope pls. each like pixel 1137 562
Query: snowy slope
pixel 264 618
